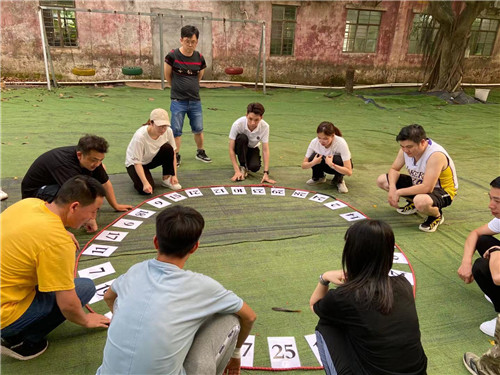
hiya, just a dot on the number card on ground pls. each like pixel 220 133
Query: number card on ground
pixel 140 212
pixel 127 223
pixel 408 275
pixel 110 235
pixel 158 202
pixel 399 258
pixel 320 198
pixel 97 271
pixel 247 351
pixel 300 194
pixel 100 290
pixel 238 190
pixel 192 193
pixel 100 250
pixel 353 216
pixel 311 340
pixel 335 205
pixel 258 190
pixel 283 352
pixel 280 192
pixel 220 190
pixel 176 197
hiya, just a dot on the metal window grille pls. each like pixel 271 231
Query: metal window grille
pixel 283 30
pixel 361 31
pixel 483 35
pixel 60 25
pixel 423 31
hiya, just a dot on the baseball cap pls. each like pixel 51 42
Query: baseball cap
pixel 160 117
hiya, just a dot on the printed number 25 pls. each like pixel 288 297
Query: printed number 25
pixel 282 354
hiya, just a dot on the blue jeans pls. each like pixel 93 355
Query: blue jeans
pixel 324 354
pixel 179 109
pixel 43 315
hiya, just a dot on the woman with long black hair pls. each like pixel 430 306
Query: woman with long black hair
pixel 368 324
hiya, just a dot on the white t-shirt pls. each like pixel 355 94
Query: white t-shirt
pixel 259 134
pixel 142 148
pixel 494 225
pixel 338 147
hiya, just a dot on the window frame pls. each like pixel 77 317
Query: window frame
pixel 60 25
pixel 286 45
pixel 424 24
pixel 351 45
pixel 477 34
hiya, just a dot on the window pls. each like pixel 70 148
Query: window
pixel 60 25
pixel 423 32
pixel 283 30
pixel 483 35
pixel 361 31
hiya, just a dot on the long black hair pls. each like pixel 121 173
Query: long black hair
pixel 366 260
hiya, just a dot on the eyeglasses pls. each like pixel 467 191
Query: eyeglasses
pixel 189 42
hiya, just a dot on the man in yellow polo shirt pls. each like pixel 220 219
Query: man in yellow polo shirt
pixel 38 290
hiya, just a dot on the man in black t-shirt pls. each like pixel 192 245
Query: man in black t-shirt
pixel 184 68
pixel 53 168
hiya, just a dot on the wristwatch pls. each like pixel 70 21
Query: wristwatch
pixel 323 281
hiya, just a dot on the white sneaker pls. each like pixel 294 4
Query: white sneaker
pixel 3 195
pixel 244 172
pixel 342 188
pixel 312 181
pixel 488 327
pixel 168 184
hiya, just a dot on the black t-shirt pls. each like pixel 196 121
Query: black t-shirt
pixel 185 71
pixel 55 167
pixel 384 344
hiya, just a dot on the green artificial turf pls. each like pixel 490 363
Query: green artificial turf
pixel 270 250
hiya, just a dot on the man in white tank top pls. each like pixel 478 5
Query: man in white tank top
pixel 431 183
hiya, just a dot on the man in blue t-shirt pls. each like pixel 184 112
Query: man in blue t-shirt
pixel 184 68
pixel 167 320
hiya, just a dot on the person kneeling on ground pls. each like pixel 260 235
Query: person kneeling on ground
pixel 486 269
pixel 38 289
pixel 170 321
pixel 328 153
pixel 245 137
pixel 151 146
pixel 368 324
pixel 431 183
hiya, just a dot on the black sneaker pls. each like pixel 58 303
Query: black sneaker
pixel 202 156
pixel 24 350
pixel 431 224
pixel 178 160
pixel 409 209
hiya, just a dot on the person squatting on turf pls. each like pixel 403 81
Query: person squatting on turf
pixel 486 269
pixel 38 288
pixel 328 153
pixel 53 168
pixel 170 321
pixel 246 135
pixel 152 145
pixel 368 324
pixel 432 181
pixel 184 68
pixel 489 362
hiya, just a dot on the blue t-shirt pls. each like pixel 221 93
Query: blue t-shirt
pixel 159 309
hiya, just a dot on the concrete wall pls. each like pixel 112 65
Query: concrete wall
pixel 318 56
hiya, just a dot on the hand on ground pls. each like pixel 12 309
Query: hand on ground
pixel 96 321
pixel 238 176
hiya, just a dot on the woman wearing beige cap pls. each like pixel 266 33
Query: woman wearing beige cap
pixel 151 146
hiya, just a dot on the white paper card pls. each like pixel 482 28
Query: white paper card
pixel 100 250
pixel 100 290
pixel 280 192
pixel 140 212
pixel 220 190
pixel 97 271
pixel 335 205
pixel 399 258
pixel 283 352
pixel 300 194
pixel 109 315
pixel 258 190
pixel 408 275
pixel 238 190
pixel 311 340
pixel 127 223
pixel 176 197
pixel 353 216
pixel 320 198
pixel 247 351
pixel 192 193
pixel 158 202
pixel 111 235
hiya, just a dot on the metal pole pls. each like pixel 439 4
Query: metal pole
pixel 42 29
pixel 162 71
pixel 258 59
pixel 264 58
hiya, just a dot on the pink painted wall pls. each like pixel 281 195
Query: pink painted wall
pixel 318 57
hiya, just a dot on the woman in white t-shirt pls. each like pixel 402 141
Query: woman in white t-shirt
pixel 152 145
pixel 328 153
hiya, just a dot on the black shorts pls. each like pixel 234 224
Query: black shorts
pixel 440 198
